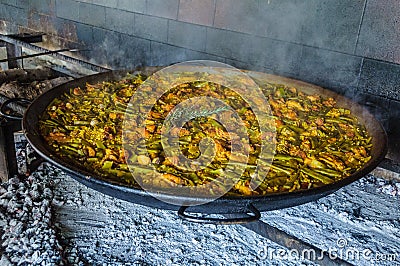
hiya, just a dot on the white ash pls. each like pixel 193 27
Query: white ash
pixel 389 187
pixel 108 231
pixel 29 235
pixel 365 214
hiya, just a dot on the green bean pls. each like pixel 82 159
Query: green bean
pixel 328 172
pixel 348 119
pixel 100 144
pixel 315 175
pixel 107 165
pixel 275 167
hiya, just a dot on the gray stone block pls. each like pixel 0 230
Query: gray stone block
pixel 197 12
pixel 104 43
pixel 332 25
pixel 120 20
pixel 92 14
pixel 15 15
pixel 327 24
pixel 165 54
pixel 133 52
pixel 9 2
pixel 280 71
pixel 187 35
pixel 237 15
pixel 84 34
pixel 380 78
pixel 34 21
pixel 159 54
pixel 138 6
pixel 22 16
pixel 4 13
pixel 163 8
pixel 329 69
pixel 281 57
pixel 64 28
pixel 281 20
pixel 8 27
pixel 44 23
pixel 42 6
pixel 380 31
pixel 227 44
pixel 60 25
pixel 68 9
pixel 244 65
pixel 152 28
pixel 253 50
pixel 106 3
pixel 26 3
pixel 178 54
pixel 105 38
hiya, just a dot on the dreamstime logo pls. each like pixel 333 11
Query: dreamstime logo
pixel 341 250
pixel 140 114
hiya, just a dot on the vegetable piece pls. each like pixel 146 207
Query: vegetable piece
pixel 317 142
pixel 322 178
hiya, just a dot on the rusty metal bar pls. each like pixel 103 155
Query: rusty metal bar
pixel 31 37
pixel 8 59
pixel 14 51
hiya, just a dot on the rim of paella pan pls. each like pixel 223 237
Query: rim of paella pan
pixel 40 146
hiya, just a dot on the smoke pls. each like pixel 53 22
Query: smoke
pixel 308 40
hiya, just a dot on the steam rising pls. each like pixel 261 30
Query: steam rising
pixel 288 38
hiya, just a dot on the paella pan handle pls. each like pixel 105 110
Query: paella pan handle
pixel 254 216
pixel 6 103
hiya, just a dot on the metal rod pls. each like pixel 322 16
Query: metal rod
pixel 38 54
pixel 66 58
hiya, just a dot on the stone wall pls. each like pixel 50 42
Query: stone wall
pixel 350 46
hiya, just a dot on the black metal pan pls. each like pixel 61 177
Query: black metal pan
pixel 249 206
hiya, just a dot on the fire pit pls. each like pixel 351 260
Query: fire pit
pixel 72 202
pixel 351 48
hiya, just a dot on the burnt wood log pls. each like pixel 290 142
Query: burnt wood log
pixel 27 75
